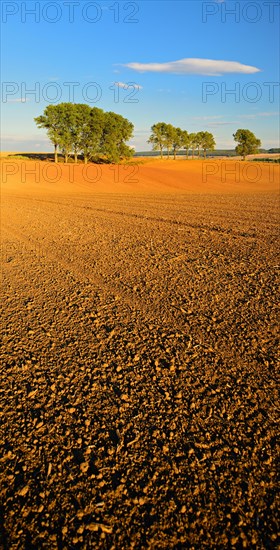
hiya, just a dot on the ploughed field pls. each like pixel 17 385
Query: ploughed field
pixel 139 393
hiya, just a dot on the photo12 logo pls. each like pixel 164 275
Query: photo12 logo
pixel 251 92
pixel 227 11
pixel 69 12
pixel 51 173
pixel 236 172
pixel 52 92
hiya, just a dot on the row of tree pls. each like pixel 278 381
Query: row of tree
pixel 167 137
pixel 78 129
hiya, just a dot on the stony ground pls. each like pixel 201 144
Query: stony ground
pixel 139 394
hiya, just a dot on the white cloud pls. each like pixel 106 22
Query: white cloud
pixel 214 117
pixel 120 84
pixel 126 85
pixel 269 144
pixel 218 124
pixel 264 114
pixel 207 67
pixel 18 100
pixel 271 113
pixel 11 138
pixel 215 120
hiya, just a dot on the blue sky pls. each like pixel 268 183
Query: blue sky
pixel 180 59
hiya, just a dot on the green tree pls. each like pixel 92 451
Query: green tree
pixel 51 121
pixel 186 142
pixel 248 144
pixel 168 138
pixel 59 121
pixel 207 142
pixel 116 131
pixel 92 121
pixel 157 137
pixel 80 118
pixel 90 131
pixel 65 132
pixel 198 142
pixel 177 140
pixel 193 142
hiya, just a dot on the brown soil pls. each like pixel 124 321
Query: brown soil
pixel 139 396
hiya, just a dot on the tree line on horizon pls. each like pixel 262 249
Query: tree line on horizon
pixel 78 129
pixel 166 137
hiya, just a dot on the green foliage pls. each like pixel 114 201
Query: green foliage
pixel 158 136
pixel 19 157
pixel 177 140
pixel 91 127
pixel 78 128
pixel 51 121
pixel 265 159
pixel 166 136
pixel 116 131
pixel 248 144
pixel 207 142
pixel 186 141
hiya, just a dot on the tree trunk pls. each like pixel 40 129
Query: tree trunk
pixel 55 153
pixel 75 157
pixel 65 158
pixel 174 154
pixel 161 152
pixel 85 159
pixel 204 154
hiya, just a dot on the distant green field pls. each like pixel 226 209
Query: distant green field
pixel 266 160
pixel 216 153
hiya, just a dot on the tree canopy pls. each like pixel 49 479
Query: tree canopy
pixel 248 143
pixel 207 142
pixel 80 129
pixel 166 137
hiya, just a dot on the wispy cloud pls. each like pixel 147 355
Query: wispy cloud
pixel 212 117
pixel 125 85
pixel 215 120
pixel 218 124
pixel 11 138
pixel 262 114
pixel 206 67
pixel 272 113
pixel 18 100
